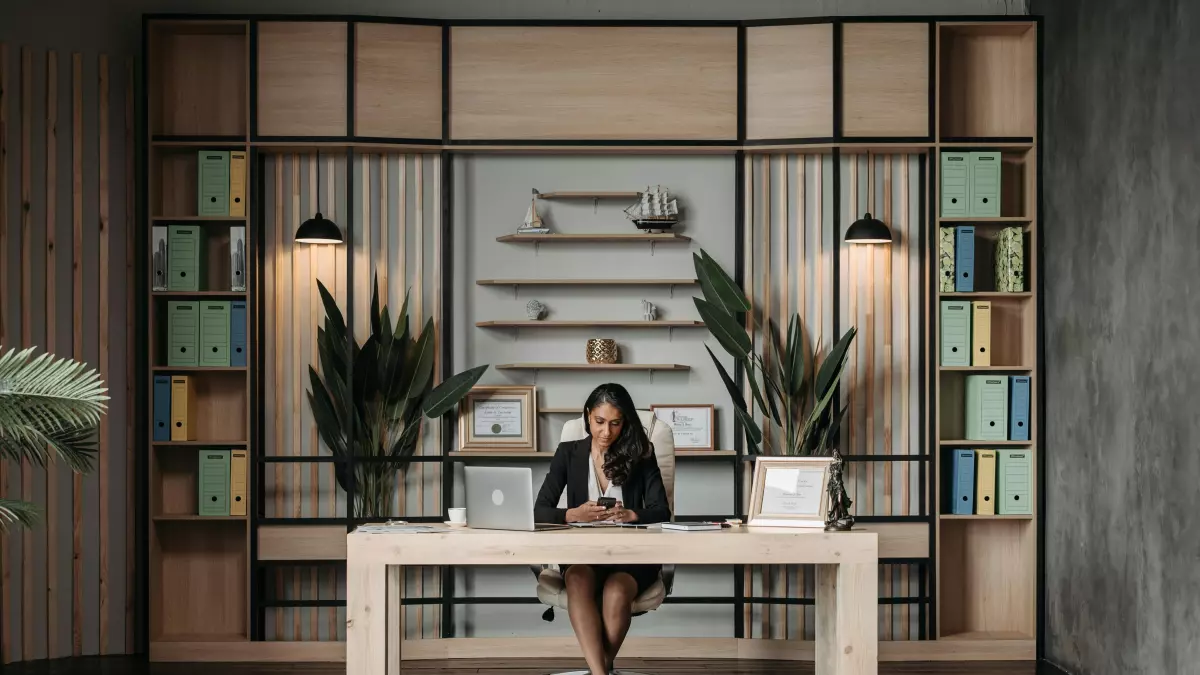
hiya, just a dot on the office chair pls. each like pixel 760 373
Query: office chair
pixel 552 591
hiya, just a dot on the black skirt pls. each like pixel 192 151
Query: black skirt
pixel 643 575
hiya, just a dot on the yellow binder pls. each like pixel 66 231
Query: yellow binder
pixel 183 408
pixel 237 183
pixel 985 482
pixel 981 333
pixel 237 483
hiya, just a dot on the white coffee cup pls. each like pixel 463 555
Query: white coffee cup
pixel 458 516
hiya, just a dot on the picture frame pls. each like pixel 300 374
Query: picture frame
pixel 498 418
pixel 693 425
pixel 790 492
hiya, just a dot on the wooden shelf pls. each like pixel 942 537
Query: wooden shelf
pixel 666 238
pixel 957 443
pixel 203 637
pixel 996 295
pixel 588 195
pixel 504 454
pixel 172 518
pixel 1006 220
pixel 198 219
pixel 199 444
pixel 199 369
pixel 592 366
pixel 955 516
pixel 589 324
pixel 983 369
pixel 585 282
pixel 985 635
pixel 199 294
pixel 215 143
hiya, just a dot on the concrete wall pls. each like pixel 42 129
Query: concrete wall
pixel 1122 368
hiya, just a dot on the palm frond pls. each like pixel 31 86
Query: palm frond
pixel 48 392
pixel 75 446
pixel 13 511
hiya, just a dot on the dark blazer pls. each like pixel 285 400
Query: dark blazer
pixel 644 493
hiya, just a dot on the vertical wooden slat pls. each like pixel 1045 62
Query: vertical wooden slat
pixel 51 513
pixel 784 313
pixel 802 267
pixel 748 264
pixel 297 386
pixel 437 352
pixel 130 376
pixel 906 373
pixel 869 366
pixel 401 267
pixel 102 456
pixel 852 295
pixel 384 211
pixel 26 333
pixel 888 352
pixel 280 368
pixel 335 256
pixel 77 343
pixel 765 570
pixel 4 566
pixel 420 296
pixel 314 304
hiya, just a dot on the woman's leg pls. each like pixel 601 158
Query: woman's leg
pixel 580 581
pixel 619 592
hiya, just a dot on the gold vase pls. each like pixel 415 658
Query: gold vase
pixel 602 350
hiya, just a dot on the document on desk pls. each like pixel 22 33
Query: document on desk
pixel 793 491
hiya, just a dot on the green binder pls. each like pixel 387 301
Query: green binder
pixel 955 184
pixel 956 332
pixel 946 256
pixel 214 333
pixel 1016 482
pixel 987 408
pixel 213 478
pixel 183 333
pixel 1010 261
pixel 185 252
pixel 212 189
pixel 985 184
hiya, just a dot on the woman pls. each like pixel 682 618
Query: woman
pixel 615 460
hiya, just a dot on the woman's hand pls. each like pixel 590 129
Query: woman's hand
pixel 620 514
pixel 586 513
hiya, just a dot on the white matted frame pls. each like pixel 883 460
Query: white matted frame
pixel 693 425
pixel 800 510
pixel 514 427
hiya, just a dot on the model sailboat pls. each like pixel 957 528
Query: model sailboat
pixel 656 210
pixel 533 222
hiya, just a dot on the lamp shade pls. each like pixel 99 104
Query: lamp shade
pixel 319 230
pixel 868 230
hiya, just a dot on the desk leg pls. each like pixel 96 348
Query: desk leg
pixel 847 619
pixel 366 630
pixel 395 617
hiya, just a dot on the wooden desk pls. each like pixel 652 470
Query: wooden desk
pixel 847 577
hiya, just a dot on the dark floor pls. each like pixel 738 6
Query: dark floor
pixel 134 666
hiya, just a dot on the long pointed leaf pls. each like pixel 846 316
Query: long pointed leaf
pixel 419 364
pixel 796 356
pixel 451 391
pixel 332 312
pixel 735 394
pixel 750 429
pixel 720 284
pixel 376 326
pixel 758 396
pixel 725 328
pixel 834 361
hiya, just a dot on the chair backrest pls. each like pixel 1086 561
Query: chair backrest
pixel 661 437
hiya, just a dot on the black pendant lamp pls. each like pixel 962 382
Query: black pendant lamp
pixel 319 229
pixel 868 230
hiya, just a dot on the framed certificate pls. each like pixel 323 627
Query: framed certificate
pixel 692 424
pixel 500 417
pixel 790 492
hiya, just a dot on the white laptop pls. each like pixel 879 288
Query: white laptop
pixel 501 498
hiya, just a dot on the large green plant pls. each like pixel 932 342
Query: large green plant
pixel 392 394
pixel 798 404
pixel 47 405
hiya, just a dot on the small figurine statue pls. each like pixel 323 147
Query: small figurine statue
pixel 649 311
pixel 839 518
pixel 535 310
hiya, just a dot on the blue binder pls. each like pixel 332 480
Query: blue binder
pixel 1018 414
pixel 162 407
pixel 964 259
pixel 962 490
pixel 237 333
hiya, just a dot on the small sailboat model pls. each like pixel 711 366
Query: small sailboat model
pixel 533 222
pixel 656 210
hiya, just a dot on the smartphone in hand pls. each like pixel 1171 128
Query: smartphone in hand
pixel 607 502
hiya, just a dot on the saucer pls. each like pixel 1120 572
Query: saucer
pixel 455 524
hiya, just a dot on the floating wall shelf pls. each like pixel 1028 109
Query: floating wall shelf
pixel 665 238
pixel 592 366
pixel 588 195
pixel 589 324
pixel 585 282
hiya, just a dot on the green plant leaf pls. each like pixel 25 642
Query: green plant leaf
pixel 22 513
pixel 750 429
pixel 401 331
pixel 725 328
pixel 385 321
pixel 834 362
pixel 419 364
pixel 366 376
pixel 376 326
pixel 332 313
pixel 447 394
pixel 329 424
pixel 759 399
pixel 49 392
pixel 734 393
pixel 717 286
pixel 796 356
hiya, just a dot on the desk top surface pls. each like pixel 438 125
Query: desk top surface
pixel 746 545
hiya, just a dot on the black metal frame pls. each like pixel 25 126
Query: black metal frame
pixel 925 600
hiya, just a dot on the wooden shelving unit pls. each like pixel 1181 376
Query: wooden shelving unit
pixel 987 99
pixel 197 98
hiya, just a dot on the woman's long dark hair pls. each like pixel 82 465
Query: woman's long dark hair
pixel 631 445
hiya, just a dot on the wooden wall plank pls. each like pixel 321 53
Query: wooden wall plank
pixel 280 366
pixel 417 313
pixel 5 630
pixel 102 456
pixel 77 340
pixel 314 309
pixel 336 283
pixel 297 361
pixel 130 361
pixel 579 82
pixel 27 632
pixel 398 80
pixel 51 343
